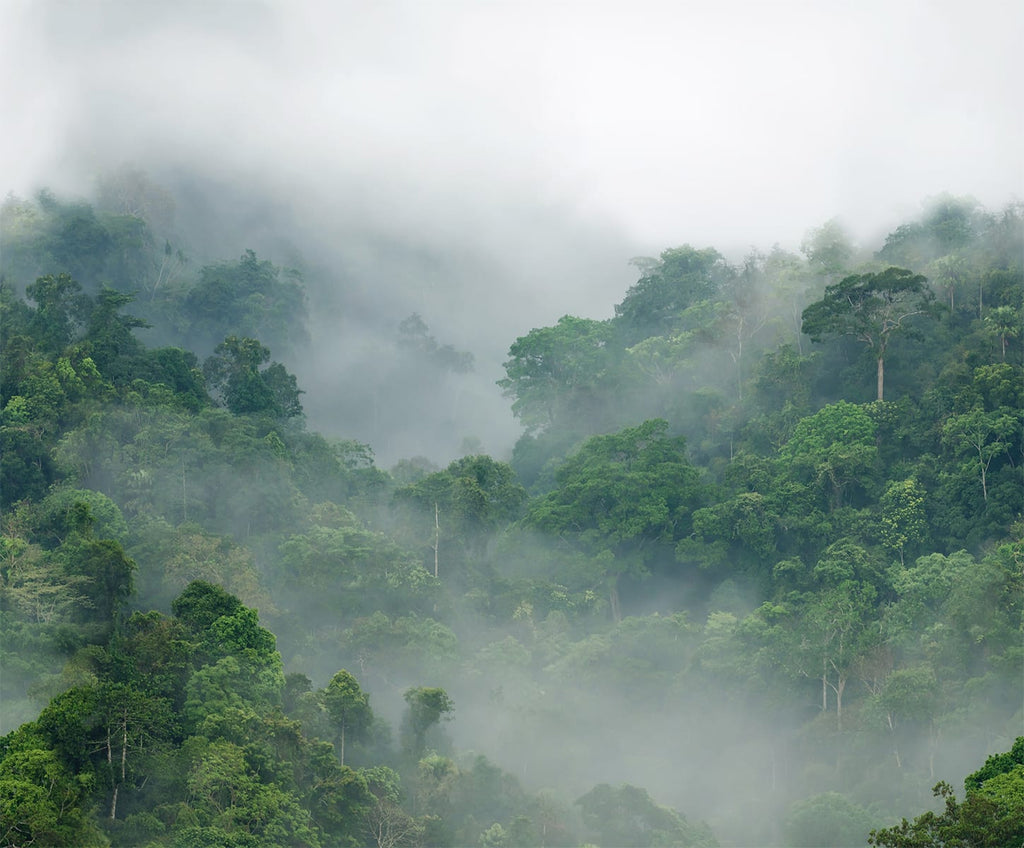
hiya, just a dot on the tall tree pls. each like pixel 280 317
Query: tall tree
pixel 236 371
pixel 621 496
pixel 556 373
pixel 871 308
pixel 683 277
pixel 348 708
pixel 428 705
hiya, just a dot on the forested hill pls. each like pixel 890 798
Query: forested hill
pixel 753 574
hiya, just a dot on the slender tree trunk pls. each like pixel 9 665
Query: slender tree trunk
pixel 881 376
pixel 342 745
pixel 437 535
pixel 110 766
pixel 839 702
pixel 613 598
pixel 824 684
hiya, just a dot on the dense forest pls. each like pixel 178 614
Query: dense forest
pixel 753 573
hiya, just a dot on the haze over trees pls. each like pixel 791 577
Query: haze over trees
pixel 752 573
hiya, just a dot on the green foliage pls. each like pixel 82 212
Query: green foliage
pixel 249 298
pixel 617 490
pixel 42 801
pixel 235 373
pixel 628 816
pixel 903 519
pixel 827 819
pixel 682 277
pixel 871 308
pixel 557 373
pixel 348 708
pixel 427 707
pixel 990 816
pixel 349 568
pixel 624 499
pixel 60 313
pixel 834 452
pixel 120 472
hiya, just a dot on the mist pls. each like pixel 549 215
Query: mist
pixel 490 168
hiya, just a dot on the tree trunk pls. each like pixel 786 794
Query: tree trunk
pixel 839 702
pixel 613 599
pixel 824 685
pixel 110 766
pixel 881 376
pixel 437 535
pixel 341 740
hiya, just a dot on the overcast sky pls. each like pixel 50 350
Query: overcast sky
pixel 705 122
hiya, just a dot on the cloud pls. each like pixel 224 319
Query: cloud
pixel 698 121
pixel 530 148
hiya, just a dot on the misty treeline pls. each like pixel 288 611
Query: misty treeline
pixel 751 575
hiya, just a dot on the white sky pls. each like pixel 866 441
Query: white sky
pixel 704 122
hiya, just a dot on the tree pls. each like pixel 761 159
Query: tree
pixel 902 518
pixel 826 819
pixel 60 313
pixel 427 707
pixel 871 308
pixel 990 816
pixel 627 815
pixel 620 497
pixel 828 249
pixel 42 801
pixel 1004 322
pixel 683 277
pixel 472 498
pixel 835 627
pixel 109 337
pixel 835 449
pixel 246 388
pixel 980 437
pixel 414 337
pixel 248 298
pixel 559 372
pixel 348 708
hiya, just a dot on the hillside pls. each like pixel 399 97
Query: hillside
pixel 751 572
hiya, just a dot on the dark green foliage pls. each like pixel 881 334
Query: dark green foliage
pixel 42 800
pixel 995 765
pixel 870 308
pixel 348 708
pixel 455 513
pixel 201 604
pixel 108 337
pixel 560 374
pixel 61 311
pixel 990 816
pixel 682 277
pixel 235 372
pixel 848 572
pixel 248 298
pixel 428 705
